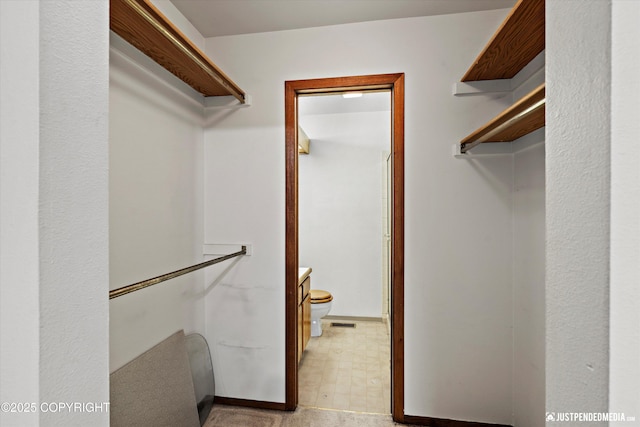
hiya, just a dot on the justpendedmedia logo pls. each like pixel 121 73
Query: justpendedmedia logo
pixel 587 416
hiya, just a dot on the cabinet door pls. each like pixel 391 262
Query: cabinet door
pixel 300 331
pixel 306 310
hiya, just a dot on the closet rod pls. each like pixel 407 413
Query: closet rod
pixel 154 281
pixel 466 146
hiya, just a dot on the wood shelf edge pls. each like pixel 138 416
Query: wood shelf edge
pixel 163 42
pixel 519 39
pixel 521 118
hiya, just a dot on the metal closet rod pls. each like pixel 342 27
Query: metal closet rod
pixel 487 137
pixel 154 281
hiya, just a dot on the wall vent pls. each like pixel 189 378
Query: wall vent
pixel 343 325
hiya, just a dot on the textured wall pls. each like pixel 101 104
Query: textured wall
pixel 577 219
pixel 55 209
pixel 74 207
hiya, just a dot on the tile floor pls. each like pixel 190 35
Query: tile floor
pixel 347 368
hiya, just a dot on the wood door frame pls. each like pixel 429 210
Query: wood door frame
pixel 395 83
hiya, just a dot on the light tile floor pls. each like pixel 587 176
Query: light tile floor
pixel 347 368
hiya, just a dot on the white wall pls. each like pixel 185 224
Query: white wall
pixel 155 207
pixel 458 239
pixel 577 220
pixel 19 214
pixel 528 285
pixel 624 387
pixel 54 215
pixel 340 207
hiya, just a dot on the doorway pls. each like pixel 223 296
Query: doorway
pixel 395 84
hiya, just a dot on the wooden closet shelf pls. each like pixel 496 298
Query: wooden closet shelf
pixel 145 27
pixel 523 117
pixel 519 39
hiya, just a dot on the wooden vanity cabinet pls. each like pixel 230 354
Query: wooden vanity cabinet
pixel 304 315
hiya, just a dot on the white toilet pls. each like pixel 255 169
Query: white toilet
pixel 320 307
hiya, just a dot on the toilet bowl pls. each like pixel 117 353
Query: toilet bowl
pixel 320 307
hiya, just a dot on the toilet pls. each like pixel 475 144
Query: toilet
pixel 320 307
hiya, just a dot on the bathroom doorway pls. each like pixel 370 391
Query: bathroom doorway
pixel 342 233
pixel 393 84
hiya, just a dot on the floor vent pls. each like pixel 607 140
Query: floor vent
pixel 343 325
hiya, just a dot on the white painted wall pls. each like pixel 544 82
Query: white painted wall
pixel 578 136
pixel 624 386
pixel 54 215
pixel 155 207
pixel 458 329
pixel 340 198
pixel 19 212
pixel 528 285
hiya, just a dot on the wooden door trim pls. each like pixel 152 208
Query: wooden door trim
pixel 395 83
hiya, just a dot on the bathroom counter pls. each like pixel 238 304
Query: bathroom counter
pixel 303 273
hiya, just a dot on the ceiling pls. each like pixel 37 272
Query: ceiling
pixel 230 17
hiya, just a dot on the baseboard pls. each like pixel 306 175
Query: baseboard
pixel 407 419
pixel 257 404
pixel 441 422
